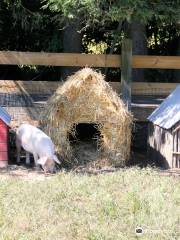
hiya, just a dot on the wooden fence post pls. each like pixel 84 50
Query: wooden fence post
pixel 126 71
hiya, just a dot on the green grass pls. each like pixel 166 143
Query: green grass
pixel 102 207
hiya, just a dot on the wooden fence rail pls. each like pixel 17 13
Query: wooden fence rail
pixel 47 87
pixel 91 60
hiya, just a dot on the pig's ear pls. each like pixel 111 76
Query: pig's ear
pixel 56 159
pixel 42 160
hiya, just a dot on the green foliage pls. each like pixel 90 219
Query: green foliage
pixel 30 29
pixel 106 10
pixel 37 25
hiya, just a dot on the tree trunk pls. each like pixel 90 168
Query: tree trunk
pixel 177 72
pixel 138 32
pixel 72 43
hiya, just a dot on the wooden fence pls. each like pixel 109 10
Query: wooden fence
pixel 125 61
pixel 91 60
pixel 43 87
pixel 98 60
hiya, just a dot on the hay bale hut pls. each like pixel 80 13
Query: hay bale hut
pixel 164 132
pixel 86 98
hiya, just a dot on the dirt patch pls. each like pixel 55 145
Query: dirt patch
pixel 88 160
pixel 175 172
pixel 23 172
pixel 27 173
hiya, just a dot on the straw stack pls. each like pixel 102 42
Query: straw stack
pixel 86 97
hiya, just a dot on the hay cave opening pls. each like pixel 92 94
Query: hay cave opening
pixel 85 143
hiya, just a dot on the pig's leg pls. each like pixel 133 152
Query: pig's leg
pixel 18 149
pixel 27 158
pixel 35 159
pixel 37 166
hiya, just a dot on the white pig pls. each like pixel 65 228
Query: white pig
pixel 35 141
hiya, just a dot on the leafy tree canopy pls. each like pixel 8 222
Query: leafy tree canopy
pixel 101 11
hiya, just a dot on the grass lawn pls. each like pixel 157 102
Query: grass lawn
pixel 98 207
